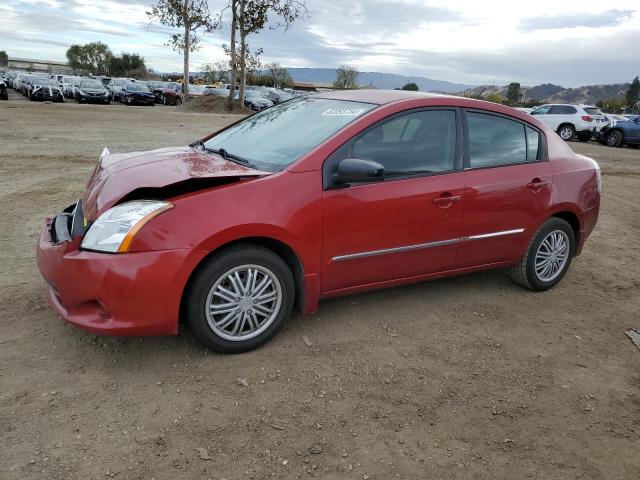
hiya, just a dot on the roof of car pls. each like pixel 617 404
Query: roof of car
pixel 378 97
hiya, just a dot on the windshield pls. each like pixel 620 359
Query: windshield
pixel 45 82
pixel 137 87
pixel 91 84
pixel 274 138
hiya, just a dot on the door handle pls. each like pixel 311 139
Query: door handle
pixel 446 199
pixel 536 184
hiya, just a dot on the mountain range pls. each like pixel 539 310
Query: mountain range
pixel 550 93
pixel 545 93
pixel 377 80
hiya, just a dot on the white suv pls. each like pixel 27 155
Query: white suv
pixel 581 121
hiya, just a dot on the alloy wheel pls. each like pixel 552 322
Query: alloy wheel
pixel 552 256
pixel 243 302
pixel 566 133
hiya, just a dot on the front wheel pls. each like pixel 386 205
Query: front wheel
pixel 239 299
pixel 547 257
pixel 614 139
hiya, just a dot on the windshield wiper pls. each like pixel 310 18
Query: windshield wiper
pixel 228 156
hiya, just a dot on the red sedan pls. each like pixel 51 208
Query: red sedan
pixel 320 196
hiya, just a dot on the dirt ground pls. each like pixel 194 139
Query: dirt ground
pixel 467 378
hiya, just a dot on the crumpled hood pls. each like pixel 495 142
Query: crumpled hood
pixel 117 175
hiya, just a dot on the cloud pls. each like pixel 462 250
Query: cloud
pixel 453 40
pixel 609 18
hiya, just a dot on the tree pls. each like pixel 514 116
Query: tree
pixel 410 86
pixel 346 78
pixel 279 76
pixel 252 16
pixel 611 105
pixel 514 94
pixel 190 16
pixel 215 72
pixel 494 97
pixel 128 65
pixel 633 94
pixel 91 58
pixel 4 58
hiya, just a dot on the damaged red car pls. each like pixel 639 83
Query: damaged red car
pixel 319 196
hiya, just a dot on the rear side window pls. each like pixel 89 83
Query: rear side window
pixel 562 110
pixel 533 145
pixel 593 111
pixel 495 140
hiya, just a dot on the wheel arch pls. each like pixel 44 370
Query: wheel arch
pixel 280 248
pixel 572 219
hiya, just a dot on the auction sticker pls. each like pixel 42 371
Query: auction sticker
pixel 343 112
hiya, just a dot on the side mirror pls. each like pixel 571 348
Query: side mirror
pixel 356 170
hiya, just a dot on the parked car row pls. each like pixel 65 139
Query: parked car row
pixel 584 122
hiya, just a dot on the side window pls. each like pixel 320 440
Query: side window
pixel 543 110
pixel 423 141
pixel 495 140
pixel 569 110
pixel 533 144
pixel 555 110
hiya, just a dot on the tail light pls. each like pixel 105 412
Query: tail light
pixel 587 118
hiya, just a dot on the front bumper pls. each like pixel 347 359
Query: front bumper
pixel 134 100
pixel 95 98
pixel 114 294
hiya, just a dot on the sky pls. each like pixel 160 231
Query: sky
pixel 571 43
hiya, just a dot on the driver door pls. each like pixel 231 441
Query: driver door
pixel 407 225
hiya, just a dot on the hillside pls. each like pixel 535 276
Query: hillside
pixel 377 80
pixel 549 93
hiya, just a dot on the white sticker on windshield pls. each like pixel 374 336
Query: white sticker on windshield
pixel 343 112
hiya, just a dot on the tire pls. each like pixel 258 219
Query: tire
pixel 632 145
pixel 207 325
pixel 525 272
pixel 566 131
pixel 614 138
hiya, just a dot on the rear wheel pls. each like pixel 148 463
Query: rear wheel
pixel 547 257
pixel 239 299
pixel 566 132
pixel 614 138
pixel 634 145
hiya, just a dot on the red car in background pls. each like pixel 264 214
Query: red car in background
pixel 171 94
pixel 319 196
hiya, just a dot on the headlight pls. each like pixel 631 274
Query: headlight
pixel 115 229
pixel 81 92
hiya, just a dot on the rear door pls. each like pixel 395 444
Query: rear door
pixel 407 225
pixel 507 188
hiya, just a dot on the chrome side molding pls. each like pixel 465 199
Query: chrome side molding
pixel 422 246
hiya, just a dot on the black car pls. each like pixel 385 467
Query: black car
pixel 4 94
pixel 157 88
pixel 89 90
pixel 616 134
pixel 45 89
pixel 136 94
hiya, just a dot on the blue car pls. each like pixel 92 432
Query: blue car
pixel 616 133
